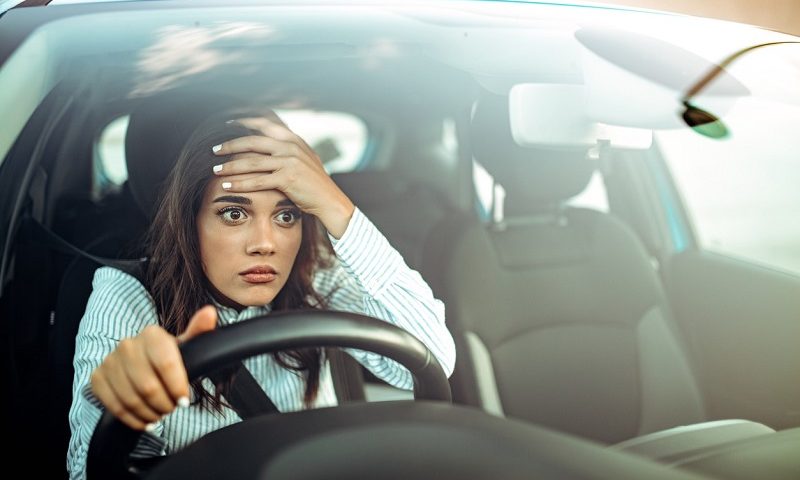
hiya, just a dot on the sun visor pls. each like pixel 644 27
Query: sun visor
pixel 640 81
pixel 555 115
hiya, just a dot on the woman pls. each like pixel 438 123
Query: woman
pixel 237 236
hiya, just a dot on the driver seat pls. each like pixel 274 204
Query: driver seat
pixel 558 314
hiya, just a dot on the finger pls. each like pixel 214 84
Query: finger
pixel 161 381
pixel 249 163
pixel 115 369
pixel 281 131
pixel 262 124
pixel 203 320
pixel 257 144
pixel 271 128
pixel 256 183
pixel 168 369
pixel 103 391
pixel 148 384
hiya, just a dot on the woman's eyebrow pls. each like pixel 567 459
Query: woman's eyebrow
pixel 233 199
pixel 285 203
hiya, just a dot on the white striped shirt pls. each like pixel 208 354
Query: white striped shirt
pixel 370 277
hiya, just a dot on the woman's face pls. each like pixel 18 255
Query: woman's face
pixel 248 242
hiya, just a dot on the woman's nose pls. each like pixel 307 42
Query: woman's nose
pixel 262 239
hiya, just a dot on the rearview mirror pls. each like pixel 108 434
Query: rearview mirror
pixel 555 115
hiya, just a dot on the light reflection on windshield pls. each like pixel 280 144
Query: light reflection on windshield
pixel 180 52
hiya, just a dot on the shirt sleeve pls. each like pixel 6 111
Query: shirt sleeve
pixel 119 307
pixel 372 278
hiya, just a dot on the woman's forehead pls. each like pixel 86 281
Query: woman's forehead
pixel 263 198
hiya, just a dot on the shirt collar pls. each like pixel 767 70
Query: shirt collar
pixel 229 315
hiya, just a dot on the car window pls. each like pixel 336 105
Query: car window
pixel 487 192
pixel 741 193
pixel 739 207
pixel 340 139
pixel 109 157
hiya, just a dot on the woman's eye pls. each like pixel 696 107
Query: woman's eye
pixel 287 217
pixel 232 215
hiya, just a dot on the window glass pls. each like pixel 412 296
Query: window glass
pixel 339 139
pixel 593 196
pixel 741 192
pixel 743 200
pixel 109 167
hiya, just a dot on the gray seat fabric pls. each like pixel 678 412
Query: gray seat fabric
pixel 558 314
pixel 404 211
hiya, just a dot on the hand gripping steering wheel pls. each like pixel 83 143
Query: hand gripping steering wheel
pixel 113 441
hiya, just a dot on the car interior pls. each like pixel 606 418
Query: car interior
pixel 580 320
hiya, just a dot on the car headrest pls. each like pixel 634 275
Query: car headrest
pixel 533 178
pixel 372 187
pixel 159 127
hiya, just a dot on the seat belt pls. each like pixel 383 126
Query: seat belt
pixel 348 380
pixel 247 397
pixel 134 267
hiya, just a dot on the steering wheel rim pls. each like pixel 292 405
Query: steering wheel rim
pixel 112 440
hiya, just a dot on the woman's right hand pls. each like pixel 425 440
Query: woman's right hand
pixel 144 378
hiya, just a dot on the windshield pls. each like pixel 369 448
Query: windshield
pixel 567 178
pixel 435 62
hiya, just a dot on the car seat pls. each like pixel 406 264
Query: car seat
pixel 112 229
pixel 558 313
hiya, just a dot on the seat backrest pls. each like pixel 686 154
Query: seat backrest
pixel 112 228
pixel 406 212
pixel 558 313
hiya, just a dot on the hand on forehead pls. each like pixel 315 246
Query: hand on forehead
pixel 216 188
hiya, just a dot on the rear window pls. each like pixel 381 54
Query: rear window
pixel 340 139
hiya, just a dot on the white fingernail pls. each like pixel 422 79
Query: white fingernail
pixel 228 122
pixel 217 168
pixel 216 148
pixel 183 402
pixel 150 427
pixel 226 185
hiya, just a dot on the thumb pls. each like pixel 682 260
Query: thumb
pixel 203 320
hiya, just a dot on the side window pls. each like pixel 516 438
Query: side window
pixel 741 191
pixel 487 193
pixel 340 139
pixel 742 198
pixel 110 171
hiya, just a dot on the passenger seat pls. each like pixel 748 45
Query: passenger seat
pixel 558 314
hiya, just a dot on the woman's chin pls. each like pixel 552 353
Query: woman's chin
pixel 254 299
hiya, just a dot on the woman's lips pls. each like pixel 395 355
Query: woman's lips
pixel 259 274
pixel 258 277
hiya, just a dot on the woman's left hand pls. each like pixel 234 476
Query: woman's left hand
pixel 285 162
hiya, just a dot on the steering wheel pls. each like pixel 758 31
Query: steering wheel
pixel 113 441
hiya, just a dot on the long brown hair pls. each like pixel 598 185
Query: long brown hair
pixel 174 275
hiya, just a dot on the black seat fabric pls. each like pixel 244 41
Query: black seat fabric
pixel 559 315
pixel 113 228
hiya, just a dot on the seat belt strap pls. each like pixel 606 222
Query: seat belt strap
pixel 246 397
pixel 134 267
pixel 348 380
